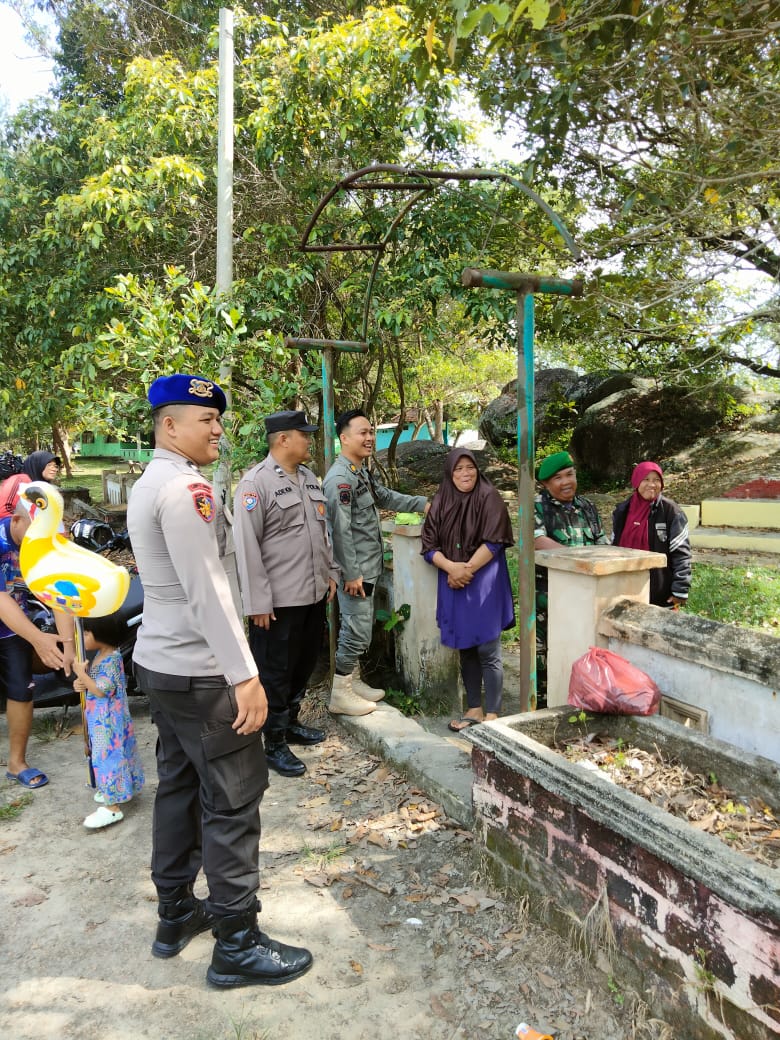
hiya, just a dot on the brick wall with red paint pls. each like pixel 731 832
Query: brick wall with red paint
pixel 708 968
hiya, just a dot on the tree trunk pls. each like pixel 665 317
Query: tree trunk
pixel 396 364
pixel 61 444
pixel 438 421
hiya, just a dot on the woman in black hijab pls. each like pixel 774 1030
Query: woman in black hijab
pixel 41 465
pixel 466 533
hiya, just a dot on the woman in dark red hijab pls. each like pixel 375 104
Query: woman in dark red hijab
pixel 650 521
pixel 466 533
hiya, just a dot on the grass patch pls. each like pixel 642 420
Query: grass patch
pixel 88 473
pixel 15 806
pixel 745 596
pixel 320 859
pixel 408 704
pixel 46 728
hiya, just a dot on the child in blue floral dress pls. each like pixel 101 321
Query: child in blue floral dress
pixel 118 771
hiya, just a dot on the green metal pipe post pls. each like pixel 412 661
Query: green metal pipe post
pixel 525 285
pixel 526 597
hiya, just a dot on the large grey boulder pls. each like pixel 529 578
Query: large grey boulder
pixel 552 387
pixel 645 421
pixel 560 395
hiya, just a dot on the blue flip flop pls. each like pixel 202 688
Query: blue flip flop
pixel 26 777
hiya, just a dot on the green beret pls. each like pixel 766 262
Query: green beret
pixel 554 464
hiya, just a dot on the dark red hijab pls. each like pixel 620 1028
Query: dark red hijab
pixel 459 522
pixel 635 533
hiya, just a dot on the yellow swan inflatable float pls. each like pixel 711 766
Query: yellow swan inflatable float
pixel 60 573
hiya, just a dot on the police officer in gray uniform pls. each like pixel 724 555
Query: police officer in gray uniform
pixel 287 576
pixel 354 498
pixel 193 661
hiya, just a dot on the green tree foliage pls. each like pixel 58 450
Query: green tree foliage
pixel 663 118
pixel 107 219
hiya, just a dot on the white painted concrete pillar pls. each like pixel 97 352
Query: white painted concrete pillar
pixel 429 669
pixel 582 583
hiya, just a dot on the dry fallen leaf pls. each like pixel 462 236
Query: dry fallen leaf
pixel 312 803
pixel 439 1009
pixel 381 948
pixel 33 898
pixel 548 980
pixel 468 899
pixel 318 880
pixel 356 967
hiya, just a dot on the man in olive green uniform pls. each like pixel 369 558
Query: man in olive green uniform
pixel 561 517
pixel 354 498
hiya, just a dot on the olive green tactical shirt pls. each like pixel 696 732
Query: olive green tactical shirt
pixel 354 498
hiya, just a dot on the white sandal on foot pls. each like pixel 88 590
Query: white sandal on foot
pixel 103 817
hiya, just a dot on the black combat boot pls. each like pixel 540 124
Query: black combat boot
pixel 245 956
pixel 305 735
pixel 279 756
pixel 182 917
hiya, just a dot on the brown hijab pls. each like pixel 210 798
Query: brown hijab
pixel 459 522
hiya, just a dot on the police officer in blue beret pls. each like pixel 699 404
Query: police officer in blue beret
pixel 193 661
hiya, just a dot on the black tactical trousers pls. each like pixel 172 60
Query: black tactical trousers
pixel 211 782
pixel 286 656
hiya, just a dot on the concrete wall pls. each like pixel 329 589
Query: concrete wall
pixel 732 673
pixel 673 912
pixel 430 670
pixel 741 512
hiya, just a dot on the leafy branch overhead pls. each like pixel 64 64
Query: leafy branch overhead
pixel 652 128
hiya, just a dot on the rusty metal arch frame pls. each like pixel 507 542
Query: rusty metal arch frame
pixel 422 182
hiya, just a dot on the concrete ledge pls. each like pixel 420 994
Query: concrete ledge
pixel 598 560
pixel 733 538
pixel 741 512
pixel 522 742
pixel 692 515
pixel 441 769
pixel 752 655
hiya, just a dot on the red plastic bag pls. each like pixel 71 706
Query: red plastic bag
pixel 606 682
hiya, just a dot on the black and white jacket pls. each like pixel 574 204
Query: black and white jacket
pixel 667 533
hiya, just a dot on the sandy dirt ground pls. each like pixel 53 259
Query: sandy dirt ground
pixel 409 938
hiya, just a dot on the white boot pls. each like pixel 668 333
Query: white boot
pixel 344 701
pixel 362 689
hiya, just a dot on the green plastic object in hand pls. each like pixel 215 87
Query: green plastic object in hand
pixel 408 519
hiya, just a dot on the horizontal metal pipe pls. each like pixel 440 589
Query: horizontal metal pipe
pixel 351 346
pixel 475 278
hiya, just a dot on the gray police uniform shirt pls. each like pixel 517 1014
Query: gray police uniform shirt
pixel 354 498
pixel 280 524
pixel 190 626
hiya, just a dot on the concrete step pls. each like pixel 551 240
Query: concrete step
pixel 732 538
pixel 741 512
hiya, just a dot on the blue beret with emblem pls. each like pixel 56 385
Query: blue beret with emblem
pixel 183 389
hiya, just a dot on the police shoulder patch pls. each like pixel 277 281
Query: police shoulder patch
pixel 249 500
pixel 345 494
pixel 203 499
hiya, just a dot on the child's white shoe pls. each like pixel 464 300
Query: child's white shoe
pixel 100 798
pixel 103 817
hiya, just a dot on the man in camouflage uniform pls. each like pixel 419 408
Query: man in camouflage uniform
pixel 354 498
pixel 561 517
